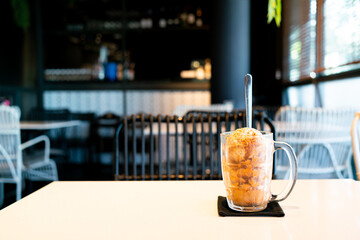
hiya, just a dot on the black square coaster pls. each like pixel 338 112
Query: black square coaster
pixel 273 209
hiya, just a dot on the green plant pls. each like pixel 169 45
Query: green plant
pixel 274 11
pixel 21 13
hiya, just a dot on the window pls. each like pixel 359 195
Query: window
pixel 321 38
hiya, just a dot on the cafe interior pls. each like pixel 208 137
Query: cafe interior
pixel 139 104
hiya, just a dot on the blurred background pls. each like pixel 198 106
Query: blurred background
pixel 115 56
pixel 60 54
pixel 99 60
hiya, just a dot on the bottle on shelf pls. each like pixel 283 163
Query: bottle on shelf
pixel 176 21
pixel 112 25
pixel 191 19
pixel 200 70
pixel 162 19
pixel 170 21
pixel 183 18
pixel 111 71
pixel 114 58
pixel 99 69
pixel 131 73
pixel 207 68
pixel 120 72
pixel 191 16
pixel 118 58
pixel 199 21
pixel 147 22
pixel 129 67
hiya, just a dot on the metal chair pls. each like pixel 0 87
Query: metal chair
pixel 59 137
pixel 320 138
pixel 269 110
pixel 355 137
pixel 104 130
pixel 81 141
pixel 13 166
pixel 158 147
pixel 181 110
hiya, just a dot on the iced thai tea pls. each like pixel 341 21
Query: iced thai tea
pixel 247 159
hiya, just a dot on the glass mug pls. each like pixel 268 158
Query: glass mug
pixel 247 171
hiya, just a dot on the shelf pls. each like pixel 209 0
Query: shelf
pixel 173 28
pixel 80 32
pixel 74 37
pixel 165 84
pixel 120 31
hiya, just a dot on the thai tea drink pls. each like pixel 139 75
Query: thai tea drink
pixel 247 159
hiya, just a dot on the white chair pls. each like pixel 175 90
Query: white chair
pixel 13 165
pixel 320 138
pixel 355 136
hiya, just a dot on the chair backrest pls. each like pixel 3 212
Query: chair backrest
pixel 355 137
pixel 320 138
pixel 59 135
pixel 169 147
pixel 105 127
pixel 86 130
pixel 50 114
pixel 270 110
pixel 181 110
pixel 10 156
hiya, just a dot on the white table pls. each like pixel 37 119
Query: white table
pixel 47 125
pixel 317 209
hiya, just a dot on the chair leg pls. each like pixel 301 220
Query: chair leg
pixel 18 190
pixel 54 171
pixel 2 194
pixel 349 171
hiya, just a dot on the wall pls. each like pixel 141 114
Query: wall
pixel 300 96
pixel 146 101
pixel 341 93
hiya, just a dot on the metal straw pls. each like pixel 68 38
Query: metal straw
pixel 248 99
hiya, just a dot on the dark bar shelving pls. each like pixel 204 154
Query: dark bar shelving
pixel 155 40
pixel 168 84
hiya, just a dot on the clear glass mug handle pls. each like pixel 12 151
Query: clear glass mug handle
pixel 293 171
